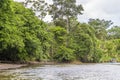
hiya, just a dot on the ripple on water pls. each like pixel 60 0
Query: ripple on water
pixel 64 72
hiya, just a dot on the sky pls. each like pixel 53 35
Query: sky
pixel 102 9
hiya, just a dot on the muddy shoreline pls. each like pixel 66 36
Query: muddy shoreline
pixel 4 66
pixel 14 65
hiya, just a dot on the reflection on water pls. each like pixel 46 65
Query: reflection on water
pixel 64 72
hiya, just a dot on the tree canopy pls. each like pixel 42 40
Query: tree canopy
pixel 25 37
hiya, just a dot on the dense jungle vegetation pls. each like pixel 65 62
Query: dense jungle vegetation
pixel 24 36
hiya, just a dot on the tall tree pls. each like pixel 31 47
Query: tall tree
pixel 64 10
pixel 114 32
pixel 100 27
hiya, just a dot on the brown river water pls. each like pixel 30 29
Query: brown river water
pixel 105 71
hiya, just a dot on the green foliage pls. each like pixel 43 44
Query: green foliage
pixel 59 34
pixel 11 43
pixel 97 23
pixel 84 40
pixel 58 39
pixel 114 32
pixel 100 27
pixel 99 51
pixel 117 49
pixel 106 51
pixel 23 36
pixel 60 22
pixel 64 54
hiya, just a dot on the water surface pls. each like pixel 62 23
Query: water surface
pixel 64 72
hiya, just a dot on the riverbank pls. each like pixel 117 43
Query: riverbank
pixel 13 65
pixel 10 66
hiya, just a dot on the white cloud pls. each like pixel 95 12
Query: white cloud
pixel 103 9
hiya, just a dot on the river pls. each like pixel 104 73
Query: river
pixel 64 72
